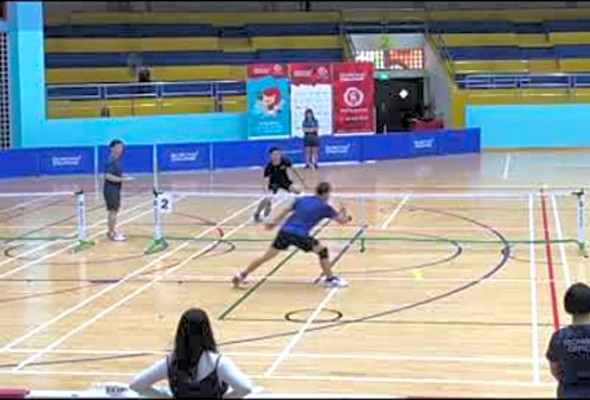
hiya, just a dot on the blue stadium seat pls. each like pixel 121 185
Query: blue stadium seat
pixel 537 53
pixel 471 26
pixel 573 51
pixel 568 25
pixel 484 53
pixel 131 31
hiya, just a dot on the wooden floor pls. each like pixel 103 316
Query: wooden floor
pixel 467 314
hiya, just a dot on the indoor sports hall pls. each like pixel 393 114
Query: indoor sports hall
pixel 136 140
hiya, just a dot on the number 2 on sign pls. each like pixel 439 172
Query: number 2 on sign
pixel 166 203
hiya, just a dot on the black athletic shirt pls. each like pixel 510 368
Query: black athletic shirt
pixel 570 347
pixel 278 173
pixel 113 168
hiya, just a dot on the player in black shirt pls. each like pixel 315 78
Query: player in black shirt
pixel 277 178
pixel 113 180
pixel 569 349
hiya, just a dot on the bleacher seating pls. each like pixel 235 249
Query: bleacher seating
pixel 95 48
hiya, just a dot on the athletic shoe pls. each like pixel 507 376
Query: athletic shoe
pixel 256 218
pixel 239 279
pixel 316 166
pixel 335 282
pixel 117 237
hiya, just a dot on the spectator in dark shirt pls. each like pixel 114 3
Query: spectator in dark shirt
pixel 569 349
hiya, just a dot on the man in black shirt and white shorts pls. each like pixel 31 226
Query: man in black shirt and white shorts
pixel 276 179
pixel 113 180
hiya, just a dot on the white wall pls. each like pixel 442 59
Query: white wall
pixel 437 87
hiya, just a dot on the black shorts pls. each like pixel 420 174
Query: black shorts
pixel 112 199
pixel 311 140
pixel 284 240
pixel 275 187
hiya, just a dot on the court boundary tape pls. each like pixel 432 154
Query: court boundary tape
pixel 550 268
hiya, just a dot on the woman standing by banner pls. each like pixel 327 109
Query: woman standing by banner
pixel 311 139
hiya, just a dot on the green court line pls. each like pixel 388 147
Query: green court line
pixel 34 238
pixel 371 239
pixel 270 273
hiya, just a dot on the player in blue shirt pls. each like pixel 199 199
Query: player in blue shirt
pixel 305 213
pixel 569 349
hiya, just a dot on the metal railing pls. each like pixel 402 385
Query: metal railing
pixel 143 98
pixel 524 81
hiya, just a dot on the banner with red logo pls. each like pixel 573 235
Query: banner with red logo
pixel 353 91
pixel 310 73
pixel 262 70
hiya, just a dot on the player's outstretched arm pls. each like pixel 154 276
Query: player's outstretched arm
pixel 342 217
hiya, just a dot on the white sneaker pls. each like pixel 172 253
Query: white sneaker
pixel 118 237
pixel 335 282
pixel 239 280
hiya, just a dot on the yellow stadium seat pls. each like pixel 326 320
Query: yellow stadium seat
pixel 201 72
pixel 490 66
pixel 517 96
pixel 86 75
pixel 296 42
pixel 532 40
pixel 569 37
pixel 574 64
pixel 57 76
pixel 188 105
pixel 73 109
pixel 479 39
pixel 235 104
pixel 215 18
pixel 93 45
pixel 543 66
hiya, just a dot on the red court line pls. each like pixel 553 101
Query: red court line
pixel 550 269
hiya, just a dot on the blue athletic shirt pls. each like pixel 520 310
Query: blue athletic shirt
pixel 570 347
pixel 308 211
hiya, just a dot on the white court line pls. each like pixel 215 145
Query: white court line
pixel 395 212
pixel 51 243
pixel 567 280
pixel 26 203
pixel 136 292
pixel 63 249
pixel 331 378
pixel 300 333
pixel 351 356
pixel 299 279
pixel 533 282
pixel 506 167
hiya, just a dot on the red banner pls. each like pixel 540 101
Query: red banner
pixel 310 73
pixel 353 87
pixel 261 70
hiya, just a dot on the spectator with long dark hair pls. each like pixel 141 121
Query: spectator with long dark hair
pixel 311 139
pixel 569 349
pixel 194 368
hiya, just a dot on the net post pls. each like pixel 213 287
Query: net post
pixel 81 217
pixel 363 216
pixel 155 166
pixel 581 210
pixel 158 243
pixel 96 183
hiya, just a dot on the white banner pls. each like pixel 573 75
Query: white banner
pixel 316 97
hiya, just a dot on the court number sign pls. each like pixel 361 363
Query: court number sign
pixel 165 203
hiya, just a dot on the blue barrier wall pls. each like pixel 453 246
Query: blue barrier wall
pixel 563 125
pixel 238 154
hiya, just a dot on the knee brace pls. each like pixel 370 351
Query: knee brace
pixel 323 253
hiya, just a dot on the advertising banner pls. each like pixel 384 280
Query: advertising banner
pixel 318 99
pixel 75 160
pixel 262 70
pixel 310 73
pixel 354 110
pixel 268 107
pixel 183 157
